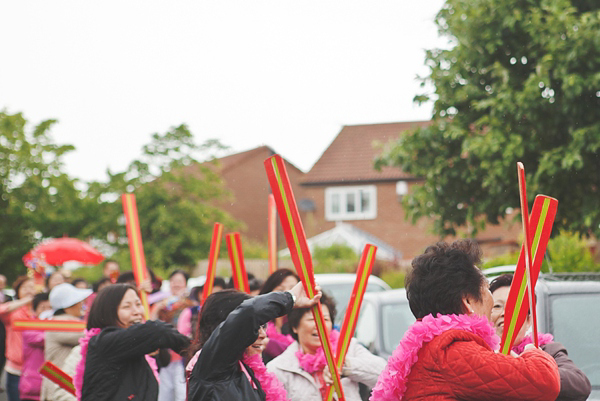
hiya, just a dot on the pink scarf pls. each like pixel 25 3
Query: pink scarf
pixel 392 381
pixel 84 342
pixel 312 363
pixel 543 339
pixel 272 387
pixel 268 381
pixel 273 334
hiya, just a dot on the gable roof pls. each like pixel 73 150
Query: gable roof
pixel 230 161
pixel 350 157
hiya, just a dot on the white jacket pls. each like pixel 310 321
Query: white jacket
pixel 360 367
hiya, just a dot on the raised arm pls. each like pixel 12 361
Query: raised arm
pixel 139 339
pixel 228 342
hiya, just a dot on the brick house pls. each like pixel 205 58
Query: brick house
pixel 243 174
pixel 344 187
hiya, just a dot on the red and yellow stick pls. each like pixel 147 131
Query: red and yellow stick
pixel 238 268
pixel 134 234
pixel 516 309
pixel 54 374
pixel 48 325
pixel 527 247
pixel 213 257
pixel 272 221
pixel 351 318
pixel 296 240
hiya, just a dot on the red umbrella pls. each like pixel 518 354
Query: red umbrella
pixel 56 251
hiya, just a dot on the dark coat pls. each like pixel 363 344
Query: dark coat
pixel 574 384
pixel 116 367
pixel 217 376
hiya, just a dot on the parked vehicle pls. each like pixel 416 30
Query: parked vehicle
pixel 340 285
pixel 568 307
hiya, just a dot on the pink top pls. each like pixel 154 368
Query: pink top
pixel 184 324
pixel 14 339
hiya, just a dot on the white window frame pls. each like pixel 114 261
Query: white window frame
pixel 343 192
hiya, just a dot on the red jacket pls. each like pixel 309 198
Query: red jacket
pixel 458 365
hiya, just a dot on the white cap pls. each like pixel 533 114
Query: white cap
pixel 66 295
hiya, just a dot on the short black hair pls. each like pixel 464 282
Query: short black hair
pixel 79 280
pixel 295 315
pixel 504 280
pixel 104 310
pixel 442 276
pixel 49 276
pixel 277 278
pixel 39 298
pixel 182 272
pixel 255 284
pixel 214 311
pixel 99 283
pixel 18 283
pixel 126 277
pixel 219 282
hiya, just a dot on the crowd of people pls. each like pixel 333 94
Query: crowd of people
pixel 264 346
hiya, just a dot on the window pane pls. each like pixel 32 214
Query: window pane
pixel 335 203
pixel 350 202
pixel 365 201
pixel 396 319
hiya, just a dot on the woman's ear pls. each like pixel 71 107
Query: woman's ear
pixel 467 305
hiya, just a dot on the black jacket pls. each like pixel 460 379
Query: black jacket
pixel 217 375
pixel 115 366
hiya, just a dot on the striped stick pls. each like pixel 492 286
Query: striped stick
pixel 272 234
pixel 48 325
pixel 238 268
pixel 55 375
pixel 296 240
pixel 516 309
pixel 136 249
pixel 351 318
pixel 213 256
pixel 527 247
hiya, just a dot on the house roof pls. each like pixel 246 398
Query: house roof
pixel 355 238
pixel 227 162
pixel 350 157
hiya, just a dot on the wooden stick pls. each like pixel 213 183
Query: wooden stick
pixel 136 249
pixel 238 268
pixel 352 311
pixel 527 246
pixel 296 241
pixel 213 257
pixel 516 309
pixel 48 325
pixel 57 376
pixel 272 235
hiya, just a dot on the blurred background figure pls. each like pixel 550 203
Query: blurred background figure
pixel 80 283
pixel 18 309
pixel 3 298
pixel 111 270
pixel 67 304
pixel 30 385
pixel 53 279
pixel 188 319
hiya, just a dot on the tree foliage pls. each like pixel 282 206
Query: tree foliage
pixel 520 83
pixel 175 196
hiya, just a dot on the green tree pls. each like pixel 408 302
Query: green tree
pixel 521 82
pixel 176 197
pixel 37 199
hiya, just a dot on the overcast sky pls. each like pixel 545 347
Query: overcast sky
pixel 284 74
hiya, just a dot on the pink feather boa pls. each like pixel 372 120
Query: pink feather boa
pixel 392 381
pixel 80 369
pixel 84 342
pixel 543 339
pixel 273 334
pixel 268 381
pixel 312 363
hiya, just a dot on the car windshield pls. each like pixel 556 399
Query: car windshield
pixel 396 318
pixel 341 293
pixel 575 324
